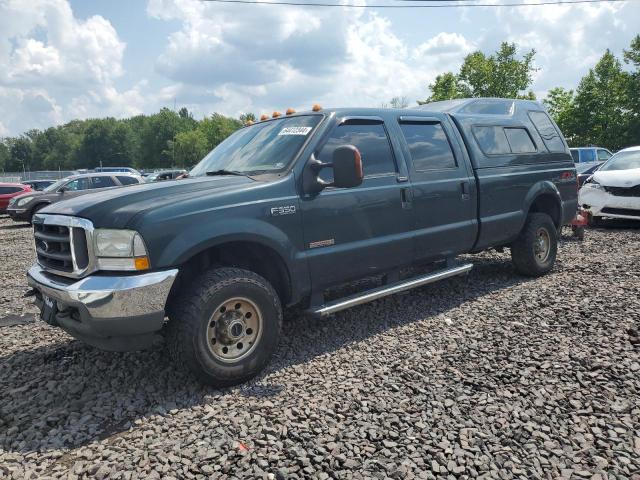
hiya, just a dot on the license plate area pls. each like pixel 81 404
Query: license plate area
pixel 48 310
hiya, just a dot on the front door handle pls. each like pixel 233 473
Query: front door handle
pixel 405 196
pixel 465 190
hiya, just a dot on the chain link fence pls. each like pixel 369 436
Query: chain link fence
pixel 16 177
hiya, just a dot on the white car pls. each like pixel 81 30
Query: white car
pixel 614 189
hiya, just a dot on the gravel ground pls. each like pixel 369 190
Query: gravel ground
pixel 490 375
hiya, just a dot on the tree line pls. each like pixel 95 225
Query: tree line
pixel 603 110
pixel 164 139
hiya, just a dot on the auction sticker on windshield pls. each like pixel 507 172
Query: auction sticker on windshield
pixel 295 131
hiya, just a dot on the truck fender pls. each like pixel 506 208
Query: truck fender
pixel 543 196
pixel 204 235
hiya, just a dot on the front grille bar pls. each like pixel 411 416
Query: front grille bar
pixel 63 244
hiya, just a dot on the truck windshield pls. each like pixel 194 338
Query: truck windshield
pixel 623 161
pixel 265 147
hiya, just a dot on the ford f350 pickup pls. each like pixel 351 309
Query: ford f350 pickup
pixel 287 208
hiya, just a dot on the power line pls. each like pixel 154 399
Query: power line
pixel 423 4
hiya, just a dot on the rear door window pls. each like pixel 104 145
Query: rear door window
pixel 603 155
pixel 588 155
pixel 8 190
pixel 78 184
pixel 550 135
pixel 102 182
pixel 519 140
pixel 428 145
pixel 125 180
pixel 370 138
pixel 575 154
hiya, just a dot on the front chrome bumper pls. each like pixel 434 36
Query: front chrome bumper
pixel 103 306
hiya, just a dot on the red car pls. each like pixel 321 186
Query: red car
pixel 10 190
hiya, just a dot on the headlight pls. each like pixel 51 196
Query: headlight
pixel 593 184
pixel 120 250
pixel 20 201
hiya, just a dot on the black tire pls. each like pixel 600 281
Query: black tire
pixel 35 210
pixel 189 329
pixel 525 250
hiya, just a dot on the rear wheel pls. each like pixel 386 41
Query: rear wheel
pixel 534 251
pixel 227 327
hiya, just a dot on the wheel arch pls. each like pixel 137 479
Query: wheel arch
pixel 544 197
pixel 246 253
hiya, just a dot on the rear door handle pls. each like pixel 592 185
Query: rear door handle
pixel 405 196
pixel 465 190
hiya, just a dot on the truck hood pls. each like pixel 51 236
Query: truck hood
pixel 618 178
pixel 115 207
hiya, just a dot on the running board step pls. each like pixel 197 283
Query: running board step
pixel 386 290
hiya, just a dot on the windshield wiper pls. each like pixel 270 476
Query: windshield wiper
pixel 226 172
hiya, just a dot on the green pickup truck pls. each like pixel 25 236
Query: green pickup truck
pixel 287 208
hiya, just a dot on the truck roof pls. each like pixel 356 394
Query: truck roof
pixel 470 106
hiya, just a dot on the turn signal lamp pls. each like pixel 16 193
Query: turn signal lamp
pixel 290 111
pixel 316 108
pixel 142 263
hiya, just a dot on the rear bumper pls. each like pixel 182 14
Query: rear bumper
pixel 112 312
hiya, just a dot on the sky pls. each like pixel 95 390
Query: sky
pixel 67 59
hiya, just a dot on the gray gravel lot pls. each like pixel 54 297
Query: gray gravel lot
pixel 490 375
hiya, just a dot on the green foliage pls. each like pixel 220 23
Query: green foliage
pixel 632 57
pixel 190 147
pixel 247 117
pixel 4 156
pixel 559 103
pixel 218 127
pixel 502 74
pixel 605 110
pixel 161 140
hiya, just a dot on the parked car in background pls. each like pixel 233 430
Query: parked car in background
pixel 23 208
pixel 38 185
pixel 585 170
pixel 164 175
pixel 590 155
pixel 130 170
pixel 614 189
pixel 10 190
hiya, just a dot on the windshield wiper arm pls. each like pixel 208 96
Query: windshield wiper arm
pixel 226 172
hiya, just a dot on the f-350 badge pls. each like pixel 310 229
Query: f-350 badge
pixel 284 210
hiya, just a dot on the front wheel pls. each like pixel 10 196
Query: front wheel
pixel 534 251
pixel 227 327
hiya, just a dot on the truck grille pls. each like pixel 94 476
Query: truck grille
pixel 61 244
pixel 624 191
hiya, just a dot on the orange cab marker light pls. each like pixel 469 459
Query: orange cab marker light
pixel 248 123
pixel 275 114
pixel 264 116
pixel 141 263
pixel 290 111
pixel 359 163
pixel 316 108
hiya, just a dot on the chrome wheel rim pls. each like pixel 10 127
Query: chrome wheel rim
pixel 234 329
pixel 542 245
